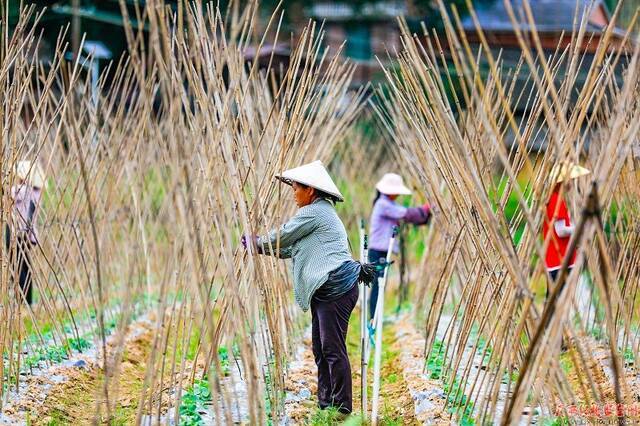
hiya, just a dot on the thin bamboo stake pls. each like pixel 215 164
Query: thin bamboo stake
pixel 377 320
pixel 364 332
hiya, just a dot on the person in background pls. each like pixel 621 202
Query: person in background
pixel 557 228
pixel 26 194
pixel 385 215
pixel 324 273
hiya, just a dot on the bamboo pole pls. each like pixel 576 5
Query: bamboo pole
pixel 378 319
pixel 187 140
pixel 364 331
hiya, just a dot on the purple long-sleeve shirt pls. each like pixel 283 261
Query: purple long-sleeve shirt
pixel 387 214
pixel 26 201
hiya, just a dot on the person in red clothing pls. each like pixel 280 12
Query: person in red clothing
pixel 557 229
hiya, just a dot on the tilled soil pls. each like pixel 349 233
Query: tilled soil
pixel 74 392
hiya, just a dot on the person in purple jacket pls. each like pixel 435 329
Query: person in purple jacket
pixel 387 214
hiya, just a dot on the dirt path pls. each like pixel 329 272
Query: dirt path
pixel 601 370
pixel 70 392
pixel 82 392
pixel 428 397
pixel 405 390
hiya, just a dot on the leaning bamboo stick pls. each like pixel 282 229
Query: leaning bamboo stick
pixel 378 320
pixel 459 153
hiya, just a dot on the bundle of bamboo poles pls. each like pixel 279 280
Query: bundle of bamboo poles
pixel 451 111
pixel 149 188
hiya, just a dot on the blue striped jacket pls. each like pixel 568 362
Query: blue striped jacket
pixel 316 241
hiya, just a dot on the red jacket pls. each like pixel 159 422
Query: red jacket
pixel 557 248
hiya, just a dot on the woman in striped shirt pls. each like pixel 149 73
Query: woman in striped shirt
pixel 324 274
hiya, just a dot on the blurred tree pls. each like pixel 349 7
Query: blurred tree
pixel 14 8
pixel 627 10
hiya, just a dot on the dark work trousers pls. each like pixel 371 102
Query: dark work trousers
pixel 554 276
pixel 330 321
pixel 21 261
pixel 374 257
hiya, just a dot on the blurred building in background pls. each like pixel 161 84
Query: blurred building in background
pixel 364 33
pixel 367 30
pixel 554 22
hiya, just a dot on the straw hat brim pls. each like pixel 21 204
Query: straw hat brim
pixel 387 189
pixel 563 173
pixel 314 175
pixel 31 173
pixel 290 183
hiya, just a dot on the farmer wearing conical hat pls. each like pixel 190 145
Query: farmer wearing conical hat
pixel 385 216
pixel 26 195
pixel 324 273
pixel 557 227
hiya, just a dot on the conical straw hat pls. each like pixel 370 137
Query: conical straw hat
pixel 30 173
pixel 392 184
pixel 562 172
pixel 313 175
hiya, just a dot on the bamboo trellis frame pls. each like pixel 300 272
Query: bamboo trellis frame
pixel 451 143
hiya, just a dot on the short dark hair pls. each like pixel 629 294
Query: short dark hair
pixel 326 196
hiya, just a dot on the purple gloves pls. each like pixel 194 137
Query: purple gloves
pixel 418 215
pixel 250 240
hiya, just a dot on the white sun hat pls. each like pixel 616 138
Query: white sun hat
pixel 392 184
pixel 313 175
pixel 562 172
pixel 30 173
